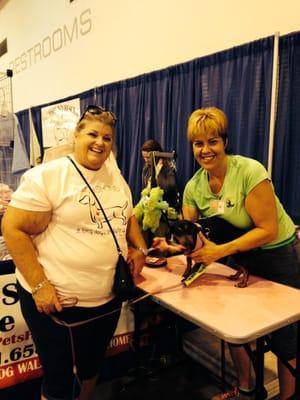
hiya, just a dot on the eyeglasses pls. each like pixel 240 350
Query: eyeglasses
pixel 97 110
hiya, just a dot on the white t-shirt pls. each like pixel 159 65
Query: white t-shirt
pixel 77 250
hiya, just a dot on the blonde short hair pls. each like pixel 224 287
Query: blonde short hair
pixel 207 120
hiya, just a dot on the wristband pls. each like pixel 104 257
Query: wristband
pixel 39 286
pixel 143 250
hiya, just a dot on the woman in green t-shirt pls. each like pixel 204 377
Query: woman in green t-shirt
pixel 238 190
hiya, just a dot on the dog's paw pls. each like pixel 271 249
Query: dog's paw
pixel 241 284
pixel 234 277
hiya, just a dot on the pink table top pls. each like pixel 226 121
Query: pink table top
pixel 237 315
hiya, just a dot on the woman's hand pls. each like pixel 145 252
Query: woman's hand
pixel 136 260
pixel 46 299
pixel 5 197
pixel 160 243
pixel 208 253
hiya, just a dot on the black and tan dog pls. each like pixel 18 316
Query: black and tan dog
pixel 186 233
pixel 215 229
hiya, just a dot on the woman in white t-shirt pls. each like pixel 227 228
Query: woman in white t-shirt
pixel 65 255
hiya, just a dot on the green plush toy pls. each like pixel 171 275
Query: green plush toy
pixel 149 209
pixel 139 208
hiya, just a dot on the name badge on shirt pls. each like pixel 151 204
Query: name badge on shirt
pixel 217 206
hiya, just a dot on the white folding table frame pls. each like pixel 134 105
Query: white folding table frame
pixel 235 315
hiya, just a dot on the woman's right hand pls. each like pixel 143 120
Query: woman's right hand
pixel 46 299
pixel 160 243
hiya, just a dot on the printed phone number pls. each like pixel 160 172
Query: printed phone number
pixel 17 354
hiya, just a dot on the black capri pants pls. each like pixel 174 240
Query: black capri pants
pixel 53 343
pixel 280 265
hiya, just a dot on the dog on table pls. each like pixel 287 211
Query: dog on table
pixel 186 233
pixel 215 229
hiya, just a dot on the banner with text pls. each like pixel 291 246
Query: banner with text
pixel 18 359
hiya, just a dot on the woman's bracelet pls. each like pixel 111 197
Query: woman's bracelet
pixel 143 250
pixel 39 286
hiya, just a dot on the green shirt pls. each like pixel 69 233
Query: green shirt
pixel 242 175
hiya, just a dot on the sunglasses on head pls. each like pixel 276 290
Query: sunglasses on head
pixel 97 110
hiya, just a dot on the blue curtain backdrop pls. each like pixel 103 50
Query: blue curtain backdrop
pixel 87 98
pixel 157 105
pixel 286 161
pixel 239 81
pixel 23 118
pixel 37 122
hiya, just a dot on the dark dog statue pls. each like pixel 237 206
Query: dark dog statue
pixel 186 233
pixel 215 229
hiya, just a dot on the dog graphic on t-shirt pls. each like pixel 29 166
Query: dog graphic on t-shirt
pixel 111 212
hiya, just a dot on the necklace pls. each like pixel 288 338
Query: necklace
pixel 216 184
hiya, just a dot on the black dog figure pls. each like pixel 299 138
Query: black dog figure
pixel 220 231
pixel 215 229
pixel 186 233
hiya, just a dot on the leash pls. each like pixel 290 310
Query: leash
pixel 129 303
pixel 69 326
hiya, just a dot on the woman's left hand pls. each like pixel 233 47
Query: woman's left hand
pixel 136 260
pixel 208 253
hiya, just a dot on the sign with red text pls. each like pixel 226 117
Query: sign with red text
pixel 18 359
pixel 123 336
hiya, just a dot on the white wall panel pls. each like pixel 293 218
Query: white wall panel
pixel 57 48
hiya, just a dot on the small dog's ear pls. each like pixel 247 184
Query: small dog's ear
pixel 172 225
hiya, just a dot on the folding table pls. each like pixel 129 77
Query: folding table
pixel 235 315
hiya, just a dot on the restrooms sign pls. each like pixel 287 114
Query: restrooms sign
pixel 54 42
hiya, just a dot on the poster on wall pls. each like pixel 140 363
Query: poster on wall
pixel 18 359
pixel 59 121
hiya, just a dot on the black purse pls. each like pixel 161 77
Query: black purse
pixel 123 286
